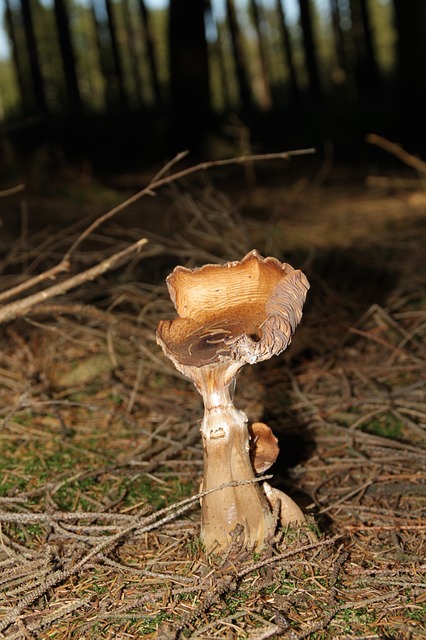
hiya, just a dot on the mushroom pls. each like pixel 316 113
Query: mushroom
pixel 264 447
pixel 230 315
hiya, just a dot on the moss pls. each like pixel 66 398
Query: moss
pixel 386 426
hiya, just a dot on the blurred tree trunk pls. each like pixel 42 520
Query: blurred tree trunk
pixel 370 49
pixel 244 89
pixel 17 60
pixel 132 52
pixel 150 50
pixel 115 51
pixel 218 54
pixel 288 51
pixel 67 53
pixel 366 69
pixel 310 50
pixel 189 75
pixel 339 39
pixel 221 61
pixel 33 57
pixel 411 27
pixel 265 87
pixel 108 77
pixel 113 90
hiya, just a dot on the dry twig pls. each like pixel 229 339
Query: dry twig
pixel 397 151
pixel 20 307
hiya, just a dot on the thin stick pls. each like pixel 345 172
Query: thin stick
pixel 398 152
pixel 385 527
pixel 20 307
pixel 50 274
pixel 12 191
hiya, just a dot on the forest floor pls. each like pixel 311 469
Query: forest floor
pixel 100 451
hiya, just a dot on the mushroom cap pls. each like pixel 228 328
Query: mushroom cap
pixel 264 447
pixel 243 311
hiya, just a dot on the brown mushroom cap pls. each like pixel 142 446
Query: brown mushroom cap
pixel 242 311
pixel 264 447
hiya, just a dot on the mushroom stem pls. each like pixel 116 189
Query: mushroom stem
pixel 227 459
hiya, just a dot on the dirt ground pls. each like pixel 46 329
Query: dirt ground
pixel 100 450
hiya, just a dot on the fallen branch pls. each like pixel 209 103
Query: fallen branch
pixel 384 527
pixel 12 191
pixel 50 274
pixel 397 151
pixel 20 307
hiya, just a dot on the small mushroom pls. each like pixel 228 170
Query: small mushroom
pixel 230 315
pixel 264 447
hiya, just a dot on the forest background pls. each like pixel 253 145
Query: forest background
pixel 121 78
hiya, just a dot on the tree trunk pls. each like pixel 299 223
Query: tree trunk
pixel 366 69
pixel 150 50
pixel 112 89
pixel 240 68
pixel 217 52
pixel 410 22
pixel 103 62
pixel 339 40
pixel 118 67
pixel 34 61
pixel 67 53
pixel 265 87
pixel 229 103
pixel 288 51
pixel 132 52
pixel 17 60
pixel 310 50
pixel 370 49
pixel 189 75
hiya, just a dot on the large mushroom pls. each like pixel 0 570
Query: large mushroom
pixel 230 315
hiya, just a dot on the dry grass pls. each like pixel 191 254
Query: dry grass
pixel 101 456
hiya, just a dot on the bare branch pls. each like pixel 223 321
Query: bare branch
pixel 398 152
pixel 50 274
pixel 20 307
pixel 12 191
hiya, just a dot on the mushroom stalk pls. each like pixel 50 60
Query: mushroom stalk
pixel 226 459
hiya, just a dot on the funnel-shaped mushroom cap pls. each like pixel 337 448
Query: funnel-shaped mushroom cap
pixel 242 311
